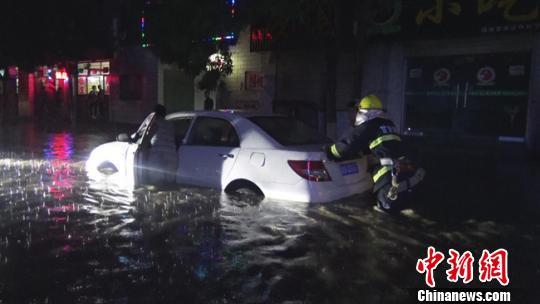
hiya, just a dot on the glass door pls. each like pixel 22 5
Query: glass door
pixel 473 95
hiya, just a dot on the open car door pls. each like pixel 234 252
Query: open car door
pixel 138 152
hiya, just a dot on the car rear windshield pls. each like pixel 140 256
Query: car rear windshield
pixel 289 131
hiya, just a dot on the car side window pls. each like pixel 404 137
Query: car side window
pixel 181 127
pixel 141 136
pixel 209 131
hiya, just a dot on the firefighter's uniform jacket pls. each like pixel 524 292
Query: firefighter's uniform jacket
pixel 378 137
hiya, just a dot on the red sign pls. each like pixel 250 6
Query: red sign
pixel 13 72
pixel 254 81
pixel 81 85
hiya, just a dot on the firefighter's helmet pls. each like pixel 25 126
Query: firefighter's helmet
pixel 370 102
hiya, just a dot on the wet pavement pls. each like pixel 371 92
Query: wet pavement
pixel 65 240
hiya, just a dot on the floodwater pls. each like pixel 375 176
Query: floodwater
pixel 65 240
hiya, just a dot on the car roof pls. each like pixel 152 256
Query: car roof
pixel 230 114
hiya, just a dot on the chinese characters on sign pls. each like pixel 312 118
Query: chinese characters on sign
pixel 506 8
pixel 254 81
pixel 491 266
pixel 435 14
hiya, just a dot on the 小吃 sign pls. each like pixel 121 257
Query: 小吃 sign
pixel 442 18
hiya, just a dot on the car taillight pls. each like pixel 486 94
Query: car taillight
pixel 312 170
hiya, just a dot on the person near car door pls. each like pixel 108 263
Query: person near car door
pixel 375 134
pixel 162 160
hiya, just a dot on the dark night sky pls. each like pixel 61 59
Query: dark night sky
pixel 43 31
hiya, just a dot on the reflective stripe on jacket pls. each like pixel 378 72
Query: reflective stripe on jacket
pixel 377 136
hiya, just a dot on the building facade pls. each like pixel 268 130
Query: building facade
pixel 144 81
pixel 459 69
pixel 290 82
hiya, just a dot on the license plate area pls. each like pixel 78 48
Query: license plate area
pixel 348 169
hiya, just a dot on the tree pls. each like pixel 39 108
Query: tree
pixel 180 31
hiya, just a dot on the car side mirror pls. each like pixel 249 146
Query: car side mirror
pixel 123 137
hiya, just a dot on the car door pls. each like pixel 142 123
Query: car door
pixel 209 154
pixel 137 153
pixel 181 125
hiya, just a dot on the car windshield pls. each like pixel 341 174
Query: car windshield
pixel 289 131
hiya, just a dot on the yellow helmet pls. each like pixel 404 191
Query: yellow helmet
pixel 370 102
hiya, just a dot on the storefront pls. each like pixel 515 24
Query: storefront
pixel 460 68
pixel 9 91
pixel 93 76
pixel 478 94
pixel 45 91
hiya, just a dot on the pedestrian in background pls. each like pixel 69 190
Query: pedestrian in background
pixel 208 102
pixel 92 102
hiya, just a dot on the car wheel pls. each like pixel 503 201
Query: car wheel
pixel 245 190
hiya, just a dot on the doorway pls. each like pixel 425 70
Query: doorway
pixel 481 95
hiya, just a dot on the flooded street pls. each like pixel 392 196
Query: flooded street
pixel 65 240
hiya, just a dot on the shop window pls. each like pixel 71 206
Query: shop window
pixel 85 84
pixel 130 87
pixel 91 74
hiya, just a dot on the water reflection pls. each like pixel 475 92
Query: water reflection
pixel 65 240
pixel 59 146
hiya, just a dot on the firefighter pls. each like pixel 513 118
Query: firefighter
pixel 376 135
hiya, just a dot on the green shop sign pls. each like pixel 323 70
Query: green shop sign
pixel 447 18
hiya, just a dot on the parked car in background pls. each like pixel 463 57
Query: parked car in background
pixel 273 156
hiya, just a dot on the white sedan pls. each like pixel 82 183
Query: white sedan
pixel 274 156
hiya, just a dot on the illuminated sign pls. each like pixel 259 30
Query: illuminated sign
pixel 13 72
pixel 95 68
pixel 261 39
pixel 61 75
